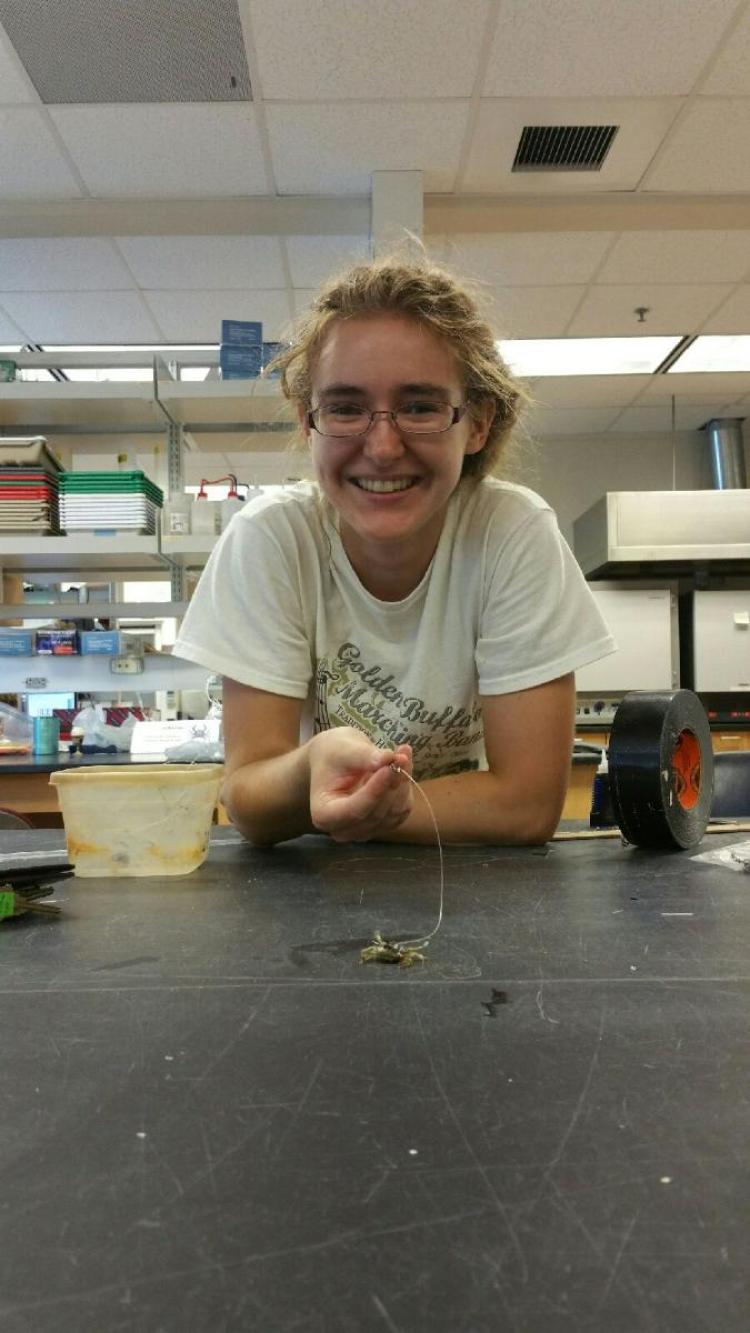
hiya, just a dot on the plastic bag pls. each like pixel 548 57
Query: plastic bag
pixel 195 752
pixel 734 857
pixel 16 730
pixel 205 745
pixel 97 734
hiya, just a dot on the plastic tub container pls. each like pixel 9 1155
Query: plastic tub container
pixel 138 819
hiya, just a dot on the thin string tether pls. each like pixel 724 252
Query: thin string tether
pixel 425 939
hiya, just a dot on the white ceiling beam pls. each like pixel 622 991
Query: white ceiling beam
pixel 397 208
pixel 350 215
pixel 445 214
pixel 263 215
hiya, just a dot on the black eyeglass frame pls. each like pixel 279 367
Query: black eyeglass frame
pixel 458 413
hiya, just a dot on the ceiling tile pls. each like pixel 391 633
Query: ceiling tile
pixel 715 386
pixel 729 75
pixel 187 150
pixel 642 125
pixel 196 316
pixel 707 152
pixel 9 333
pixel 15 84
pixel 31 163
pixel 81 317
pixel 302 297
pixel 185 262
pixel 512 259
pixel 587 390
pixel 531 312
pixel 610 311
pixel 312 259
pixel 334 149
pixel 547 49
pixel 677 256
pixel 58 264
pixel 570 420
pixel 734 315
pixel 657 417
pixel 426 48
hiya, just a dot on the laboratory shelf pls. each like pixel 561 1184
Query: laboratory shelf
pixel 32 407
pixel 81 553
pixel 92 610
pixel 235 403
pixel 190 551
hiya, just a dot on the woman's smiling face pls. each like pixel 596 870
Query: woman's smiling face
pixel 390 490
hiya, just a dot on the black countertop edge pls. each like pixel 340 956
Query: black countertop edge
pixel 20 763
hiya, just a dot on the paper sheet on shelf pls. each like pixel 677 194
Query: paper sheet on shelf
pixel 152 739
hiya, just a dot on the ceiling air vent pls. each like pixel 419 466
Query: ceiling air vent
pixel 110 51
pixel 563 147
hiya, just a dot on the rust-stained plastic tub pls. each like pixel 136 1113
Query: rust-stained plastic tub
pixel 139 819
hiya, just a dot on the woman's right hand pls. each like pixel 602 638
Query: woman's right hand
pixel 355 792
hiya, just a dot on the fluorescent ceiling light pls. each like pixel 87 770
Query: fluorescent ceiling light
pixel 715 352
pixel 194 372
pixel 100 375
pixel 131 347
pixel 25 375
pixel 586 356
pixel 17 348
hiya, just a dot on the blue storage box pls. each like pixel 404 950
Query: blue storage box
pixel 242 332
pixel 108 641
pixel 16 642
pixel 240 363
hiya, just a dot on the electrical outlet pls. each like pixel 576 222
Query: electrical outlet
pixel 126 665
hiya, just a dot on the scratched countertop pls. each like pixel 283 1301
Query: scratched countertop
pixel 215 1118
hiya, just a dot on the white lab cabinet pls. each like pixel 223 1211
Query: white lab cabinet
pixel 721 640
pixel 644 624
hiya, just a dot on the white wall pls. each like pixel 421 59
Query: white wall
pixel 572 472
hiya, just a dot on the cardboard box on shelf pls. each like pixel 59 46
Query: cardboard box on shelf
pixel 242 332
pixel 100 641
pixel 240 363
pixel 56 642
pixel 16 642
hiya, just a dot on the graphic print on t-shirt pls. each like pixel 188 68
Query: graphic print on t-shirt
pixel 350 692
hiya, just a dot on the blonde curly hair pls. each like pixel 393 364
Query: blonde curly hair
pixel 420 290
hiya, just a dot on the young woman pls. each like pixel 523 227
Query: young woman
pixel 407 610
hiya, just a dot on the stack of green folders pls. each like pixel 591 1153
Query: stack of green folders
pixel 109 502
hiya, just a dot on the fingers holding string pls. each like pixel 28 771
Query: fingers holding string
pixel 380 802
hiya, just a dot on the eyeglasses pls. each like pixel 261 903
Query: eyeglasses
pixel 423 417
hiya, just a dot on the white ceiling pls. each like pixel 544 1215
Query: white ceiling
pixel 442 86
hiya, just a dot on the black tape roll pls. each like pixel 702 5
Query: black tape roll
pixel 661 769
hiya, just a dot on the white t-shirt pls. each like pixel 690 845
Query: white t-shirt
pixel 503 607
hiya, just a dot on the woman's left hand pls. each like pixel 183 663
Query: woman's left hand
pixel 355 791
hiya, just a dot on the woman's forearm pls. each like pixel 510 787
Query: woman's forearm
pixel 269 800
pixel 482 807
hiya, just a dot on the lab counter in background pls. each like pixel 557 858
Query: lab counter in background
pixel 24 784
pixel 24 779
